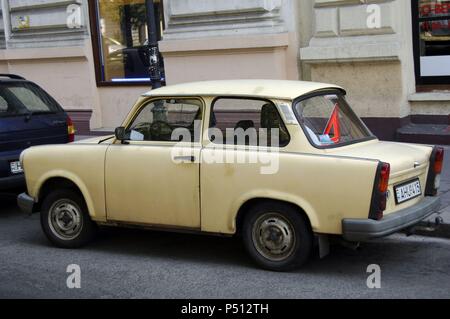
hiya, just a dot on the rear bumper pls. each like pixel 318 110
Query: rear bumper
pixel 365 229
pixel 12 182
pixel 26 203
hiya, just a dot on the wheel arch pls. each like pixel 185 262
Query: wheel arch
pixel 55 181
pixel 248 204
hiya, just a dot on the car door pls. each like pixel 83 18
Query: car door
pixel 152 178
pixel 240 158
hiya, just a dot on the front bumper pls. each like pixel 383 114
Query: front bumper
pixel 365 229
pixel 11 182
pixel 26 203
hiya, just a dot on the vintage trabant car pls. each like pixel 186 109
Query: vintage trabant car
pixel 280 163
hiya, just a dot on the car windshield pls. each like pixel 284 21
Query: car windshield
pixel 24 98
pixel 328 121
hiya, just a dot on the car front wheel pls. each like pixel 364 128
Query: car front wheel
pixel 65 219
pixel 277 236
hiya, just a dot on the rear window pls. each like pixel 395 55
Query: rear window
pixel 329 121
pixel 25 98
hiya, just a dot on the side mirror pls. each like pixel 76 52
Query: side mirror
pixel 120 133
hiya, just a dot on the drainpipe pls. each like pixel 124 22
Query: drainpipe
pixel 154 70
pixel 159 110
pixel 6 21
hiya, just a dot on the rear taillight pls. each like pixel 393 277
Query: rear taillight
pixel 384 177
pixel 70 130
pixel 434 177
pixel 438 160
pixel 380 191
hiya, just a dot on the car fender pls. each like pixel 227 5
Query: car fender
pixel 271 194
pixel 71 177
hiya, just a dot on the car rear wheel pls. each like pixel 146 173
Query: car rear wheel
pixel 277 236
pixel 65 219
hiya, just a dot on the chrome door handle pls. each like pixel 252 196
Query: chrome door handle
pixel 185 158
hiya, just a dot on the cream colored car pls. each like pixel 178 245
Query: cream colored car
pixel 281 163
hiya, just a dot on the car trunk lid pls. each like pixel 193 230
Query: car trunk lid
pixel 408 163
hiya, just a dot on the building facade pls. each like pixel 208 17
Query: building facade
pixel 393 57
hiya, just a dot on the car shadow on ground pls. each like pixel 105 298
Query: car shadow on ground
pixel 8 202
pixel 8 197
pixel 175 246
pixel 212 250
pixel 229 251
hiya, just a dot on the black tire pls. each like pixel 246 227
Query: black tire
pixel 74 216
pixel 286 227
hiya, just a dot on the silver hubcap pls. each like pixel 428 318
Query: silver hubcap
pixel 274 237
pixel 65 219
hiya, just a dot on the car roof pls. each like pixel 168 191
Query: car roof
pixel 281 89
pixel 2 80
pixel 11 78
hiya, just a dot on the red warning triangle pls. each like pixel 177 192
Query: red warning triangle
pixel 334 125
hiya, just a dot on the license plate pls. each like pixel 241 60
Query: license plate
pixel 16 168
pixel 407 191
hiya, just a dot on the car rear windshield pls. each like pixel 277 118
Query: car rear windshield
pixel 328 121
pixel 25 98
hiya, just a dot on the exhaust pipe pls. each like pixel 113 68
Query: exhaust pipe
pixel 427 227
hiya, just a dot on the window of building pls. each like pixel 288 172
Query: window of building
pixel 120 40
pixel 236 121
pixel 431 31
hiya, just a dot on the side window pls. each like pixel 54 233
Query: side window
pixel 3 105
pixel 20 98
pixel 241 121
pixel 32 102
pixel 165 120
